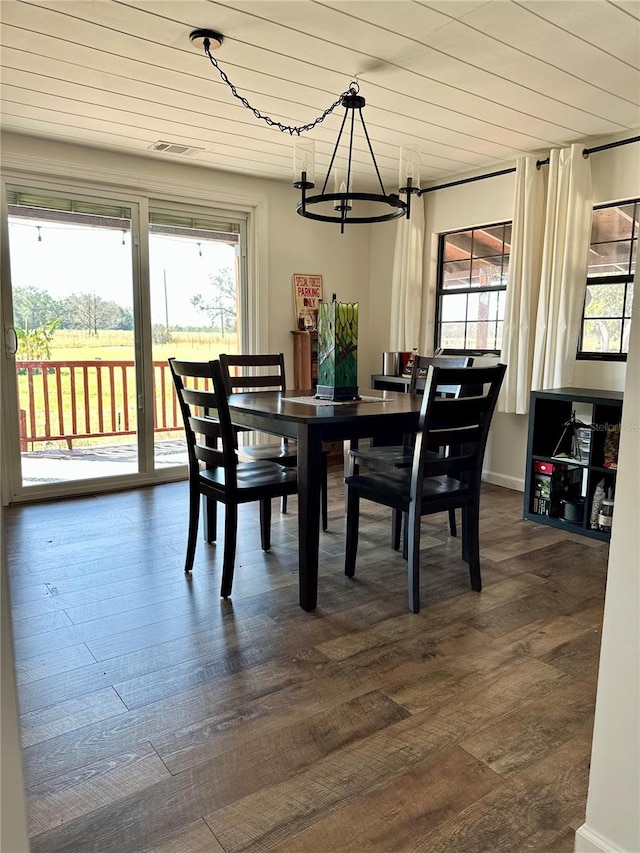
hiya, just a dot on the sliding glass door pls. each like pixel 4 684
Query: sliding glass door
pixel 102 293
pixel 197 298
pixel 73 296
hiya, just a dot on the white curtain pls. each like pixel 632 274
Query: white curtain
pixel 523 287
pixel 406 282
pixel 564 267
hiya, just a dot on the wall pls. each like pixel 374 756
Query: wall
pixel 613 804
pixel 615 176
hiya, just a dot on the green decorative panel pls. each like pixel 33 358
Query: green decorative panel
pixel 338 350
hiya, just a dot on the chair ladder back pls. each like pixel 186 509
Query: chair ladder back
pixel 189 397
pixel 206 450
pixel 203 430
pixel 422 363
pixel 227 430
pixel 273 380
pixel 459 424
pixel 454 413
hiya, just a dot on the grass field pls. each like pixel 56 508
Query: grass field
pixel 69 344
pixel 100 398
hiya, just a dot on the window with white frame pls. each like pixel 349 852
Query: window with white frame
pixel 473 266
pixel 606 316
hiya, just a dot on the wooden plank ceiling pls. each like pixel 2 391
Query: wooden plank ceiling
pixel 474 83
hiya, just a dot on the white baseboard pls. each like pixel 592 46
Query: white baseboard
pixel 588 841
pixel 515 483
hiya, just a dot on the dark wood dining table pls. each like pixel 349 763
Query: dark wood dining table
pixel 377 415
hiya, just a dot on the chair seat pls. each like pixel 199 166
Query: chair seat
pixel 394 487
pixel 252 477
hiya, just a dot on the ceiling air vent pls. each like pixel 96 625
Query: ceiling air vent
pixel 174 148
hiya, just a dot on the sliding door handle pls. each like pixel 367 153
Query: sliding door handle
pixel 10 341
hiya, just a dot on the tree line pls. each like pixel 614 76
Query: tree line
pixel 33 308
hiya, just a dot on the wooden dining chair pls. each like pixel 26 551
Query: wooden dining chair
pixel 270 378
pixel 436 481
pixel 383 458
pixel 216 474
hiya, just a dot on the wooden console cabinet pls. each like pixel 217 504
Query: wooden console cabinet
pixel 305 360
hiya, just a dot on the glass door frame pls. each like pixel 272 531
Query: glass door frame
pixel 247 317
pixel 13 490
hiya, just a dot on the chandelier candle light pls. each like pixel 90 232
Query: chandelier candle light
pixel 343 205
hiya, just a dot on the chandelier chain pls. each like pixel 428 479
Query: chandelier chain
pixel 352 90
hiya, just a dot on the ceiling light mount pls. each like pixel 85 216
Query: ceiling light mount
pixel 206 39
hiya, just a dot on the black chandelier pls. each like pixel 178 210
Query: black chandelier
pixel 343 205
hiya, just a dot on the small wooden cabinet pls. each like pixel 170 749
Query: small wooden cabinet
pixel 305 360
pixel 554 475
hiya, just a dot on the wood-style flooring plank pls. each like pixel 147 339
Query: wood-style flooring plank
pixel 196 791
pixel 266 818
pixel 53 664
pixel 390 818
pixel 526 814
pixel 529 732
pixel 36 626
pixel 74 795
pixel 545 636
pixel 196 837
pixel 468 696
pixel 68 716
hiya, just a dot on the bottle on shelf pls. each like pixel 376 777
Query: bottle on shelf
pixel 605 515
pixel 409 368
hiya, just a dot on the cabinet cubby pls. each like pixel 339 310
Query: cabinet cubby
pixel 550 447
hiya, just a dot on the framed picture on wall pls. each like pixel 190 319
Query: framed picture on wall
pixel 307 294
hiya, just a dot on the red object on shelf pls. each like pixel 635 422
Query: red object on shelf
pixel 404 361
pixel 543 467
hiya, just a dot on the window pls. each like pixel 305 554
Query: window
pixel 473 267
pixel 606 316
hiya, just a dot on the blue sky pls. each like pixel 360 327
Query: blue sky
pixel 75 259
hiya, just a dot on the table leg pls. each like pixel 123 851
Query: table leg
pixel 350 466
pixel 309 481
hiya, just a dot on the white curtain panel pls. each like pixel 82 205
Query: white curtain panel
pixel 564 268
pixel 406 282
pixel 523 287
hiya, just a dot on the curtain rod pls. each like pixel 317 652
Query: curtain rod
pixel 539 163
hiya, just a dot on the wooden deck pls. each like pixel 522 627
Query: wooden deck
pixel 156 717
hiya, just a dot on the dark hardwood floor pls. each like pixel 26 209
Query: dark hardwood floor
pixel 157 717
